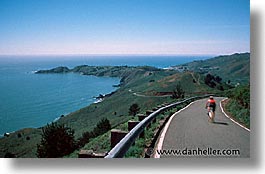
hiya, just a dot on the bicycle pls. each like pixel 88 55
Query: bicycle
pixel 210 114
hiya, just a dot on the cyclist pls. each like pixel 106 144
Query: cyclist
pixel 211 105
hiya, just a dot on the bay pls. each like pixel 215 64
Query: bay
pixel 33 100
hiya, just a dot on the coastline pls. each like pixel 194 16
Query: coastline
pixel 97 100
pixel 60 70
pixel 115 108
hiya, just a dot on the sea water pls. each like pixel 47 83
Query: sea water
pixel 33 100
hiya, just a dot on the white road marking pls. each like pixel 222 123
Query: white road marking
pixel 232 118
pixel 163 134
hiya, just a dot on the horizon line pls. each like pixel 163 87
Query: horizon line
pixel 51 55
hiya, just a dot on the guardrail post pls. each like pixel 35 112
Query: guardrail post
pixel 148 112
pixel 141 117
pixel 116 136
pixel 154 109
pixel 159 106
pixel 154 120
pixel 132 124
pixel 165 104
pixel 119 150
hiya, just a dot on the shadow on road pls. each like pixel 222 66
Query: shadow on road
pixel 221 123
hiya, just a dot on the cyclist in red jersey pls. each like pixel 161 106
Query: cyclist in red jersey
pixel 211 104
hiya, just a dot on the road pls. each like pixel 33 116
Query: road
pixel 197 80
pixel 142 95
pixel 190 130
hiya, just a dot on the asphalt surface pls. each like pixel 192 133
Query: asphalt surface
pixel 190 133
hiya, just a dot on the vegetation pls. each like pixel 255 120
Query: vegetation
pixel 155 86
pixel 138 149
pixel 242 95
pixel 134 109
pixel 57 141
pixel 93 143
pixel 210 80
pixel 9 155
pixel 102 127
pixel 232 68
pixel 20 146
pixel 178 92
pixel 216 82
pixel 239 104
pixel 60 69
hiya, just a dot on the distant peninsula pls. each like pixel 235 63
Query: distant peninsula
pixel 123 72
pixel 145 85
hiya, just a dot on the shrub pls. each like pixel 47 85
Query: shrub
pixel 220 87
pixel 134 109
pixel 178 92
pixel 9 155
pixel 84 139
pixel 102 127
pixel 19 135
pixel 218 79
pixel 242 95
pixel 57 141
pixel 241 114
pixel 239 105
pixel 211 81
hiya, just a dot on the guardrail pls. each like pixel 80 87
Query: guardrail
pixel 123 146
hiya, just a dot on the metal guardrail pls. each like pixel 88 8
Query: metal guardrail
pixel 123 146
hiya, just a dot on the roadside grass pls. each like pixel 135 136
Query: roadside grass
pixel 100 144
pixel 115 108
pixel 238 104
pixel 21 143
pixel 241 114
pixel 138 149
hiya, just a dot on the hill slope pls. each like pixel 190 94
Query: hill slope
pixel 235 68
pixel 146 86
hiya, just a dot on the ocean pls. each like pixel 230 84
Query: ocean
pixel 33 100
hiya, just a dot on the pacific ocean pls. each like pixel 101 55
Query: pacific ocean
pixel 33 100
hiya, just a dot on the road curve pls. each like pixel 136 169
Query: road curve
pixel 190 130
pixel 143 95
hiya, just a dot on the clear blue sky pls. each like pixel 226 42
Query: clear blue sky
pixel 124 26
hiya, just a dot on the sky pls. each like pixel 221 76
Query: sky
pixel 159 27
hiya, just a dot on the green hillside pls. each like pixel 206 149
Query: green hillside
pixel 234 68
pixel 144 85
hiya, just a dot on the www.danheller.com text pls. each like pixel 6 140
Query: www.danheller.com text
pixel 195 152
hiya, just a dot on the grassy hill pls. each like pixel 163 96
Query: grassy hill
pixel 144 85
pixel 149 82
pixel 141 85
pixel 235 68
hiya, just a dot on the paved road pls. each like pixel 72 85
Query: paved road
pixel 190 129
pixel 142 95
